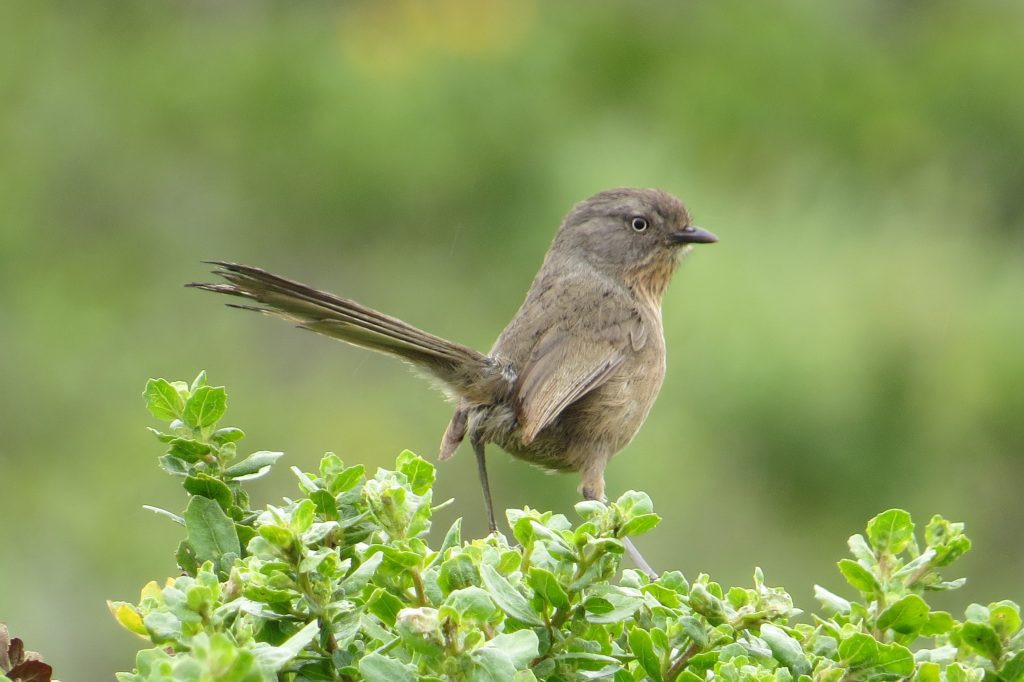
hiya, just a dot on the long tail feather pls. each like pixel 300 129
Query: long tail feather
pixel 458 366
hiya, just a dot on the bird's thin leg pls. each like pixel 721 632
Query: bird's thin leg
pixel 638 559
pixel 590 493
pixel 481 466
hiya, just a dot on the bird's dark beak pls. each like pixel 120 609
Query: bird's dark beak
pixel 691 234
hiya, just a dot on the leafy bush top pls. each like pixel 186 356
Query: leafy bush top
pixel 339 583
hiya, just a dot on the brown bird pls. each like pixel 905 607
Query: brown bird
pixel 572 377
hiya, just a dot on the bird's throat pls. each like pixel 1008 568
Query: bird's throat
pixel 650 279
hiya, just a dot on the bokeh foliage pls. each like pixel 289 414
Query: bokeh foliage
pixel 854 343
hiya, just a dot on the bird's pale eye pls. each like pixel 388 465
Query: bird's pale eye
pixel 638 223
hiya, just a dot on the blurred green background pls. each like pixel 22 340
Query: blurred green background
pixel 856 340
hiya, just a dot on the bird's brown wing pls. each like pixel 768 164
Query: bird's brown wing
pixel 567 364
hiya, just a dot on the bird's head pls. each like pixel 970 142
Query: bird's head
pixel 633 235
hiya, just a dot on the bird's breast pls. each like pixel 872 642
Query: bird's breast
pixel 602 421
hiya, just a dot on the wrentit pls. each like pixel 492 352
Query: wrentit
pixel 572 377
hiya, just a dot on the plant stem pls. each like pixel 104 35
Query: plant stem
pixel 417 583
pixel 524 565
pixel 918 574
pixel 680 663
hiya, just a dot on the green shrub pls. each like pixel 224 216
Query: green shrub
pixel 339 583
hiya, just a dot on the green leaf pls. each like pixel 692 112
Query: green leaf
pixel 229 434
pixel 918 566
pixel 379 668
pixel 205 485
pixel 419 471
pixel 245 534
pixel 524 676
pixel 198 382
pixel 707 604
pixel 939 623
pixel 928 672
pixel 522 527
pixel 906 616
pixel 946 585
pixel 160 435
pixel 588 509
pixel 939 531
pixel 162 400
pixel 663 594
pixel 490 665
pixel 521 647
pixel 457 573
pixel 634 503
pixel 1004 616
pixel 956 673
pixel 638 525
pixel 687 676
pixel 860 549
pixel 785 649
pixel 279 536
pixel 607 604
pixel 695 630
pixel 174 465
pixel 399 559
pixel 384 605
pixel 255 465
pixel 205 407
pixel 858 650
pixel 357 579
pixel 982 638
pixel 831 602
pixel 585 661
pixel 453 538
pixel 1013 670
pixel 186 558
pixel 162 626
pixel 277 657
pixel 211 534
pixel 891 531
pixel 859 577
pixel 894 662
pixel 878 661
pixel 507 597
pixel 546 585
pixel 188 449
pixel 420 629
pixel 345 479
pixel 302 516
pixel 472 604
pixel 163 512
pixel 947 540
pixel 643 648
pixel 326 505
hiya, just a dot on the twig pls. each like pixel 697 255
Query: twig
pixel 680 663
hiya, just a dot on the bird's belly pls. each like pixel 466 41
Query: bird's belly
pixel 612 415
pixel 603 421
